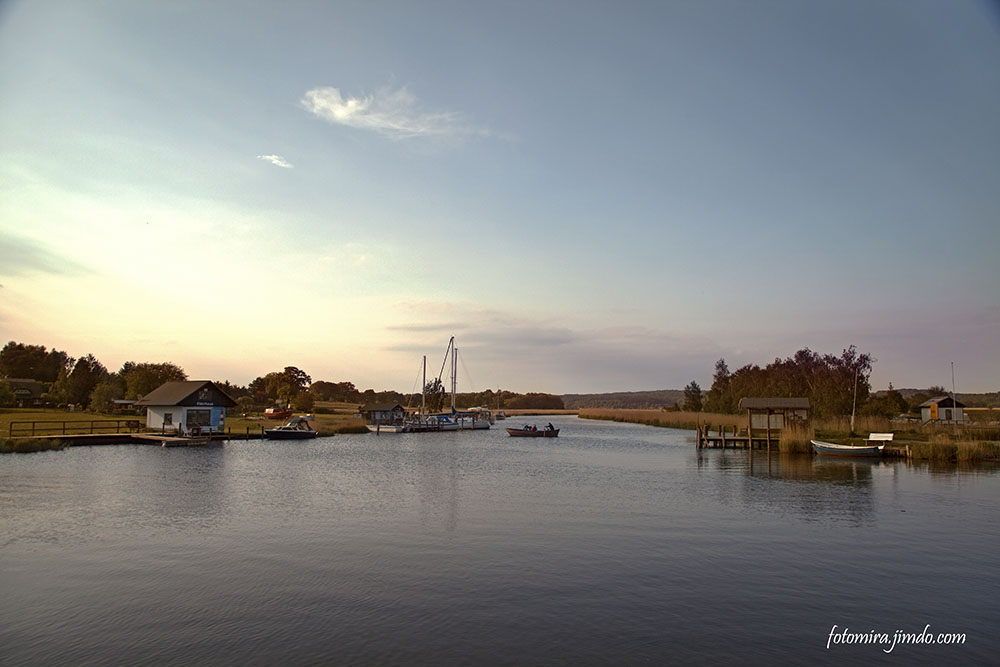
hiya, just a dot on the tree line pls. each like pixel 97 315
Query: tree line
pixel 87 383
pixel 834 384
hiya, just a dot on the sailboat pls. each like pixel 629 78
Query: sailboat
pixel 453 420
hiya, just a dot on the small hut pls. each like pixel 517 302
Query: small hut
pixel 384 413
pixel 942 410
pixel 774 414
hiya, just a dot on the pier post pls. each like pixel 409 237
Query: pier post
pixel 768 417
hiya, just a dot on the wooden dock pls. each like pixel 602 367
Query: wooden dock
pixel 726 438
pixel 733 438
pixel 161 439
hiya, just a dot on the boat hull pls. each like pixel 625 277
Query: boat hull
pixel 831 449
pixel 521 433
pixel 388 428
pixel 298 434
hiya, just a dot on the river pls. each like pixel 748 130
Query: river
pixel 613 544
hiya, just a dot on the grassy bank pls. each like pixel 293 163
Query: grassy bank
pixel 939 444
pixel 28 445
pixel 325 424
pixel 685 420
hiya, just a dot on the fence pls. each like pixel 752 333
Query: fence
pixel 24 429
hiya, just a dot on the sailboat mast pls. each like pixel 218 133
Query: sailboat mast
pixel 423 390
pixel 454 374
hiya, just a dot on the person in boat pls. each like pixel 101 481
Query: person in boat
pixel 550 427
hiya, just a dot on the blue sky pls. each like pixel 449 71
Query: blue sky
pixel 589 196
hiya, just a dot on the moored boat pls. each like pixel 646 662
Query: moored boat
pixel 533 432
pixel 831 449
pixel 297 428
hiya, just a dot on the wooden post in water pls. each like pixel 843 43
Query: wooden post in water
pixel 768 417
pixel 749 429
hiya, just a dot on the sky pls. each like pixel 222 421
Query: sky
pixel 590 196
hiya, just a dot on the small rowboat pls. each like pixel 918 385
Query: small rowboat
pixel 537 433
pixel 831 449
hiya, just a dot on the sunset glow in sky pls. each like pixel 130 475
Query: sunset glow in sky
pixel 589 196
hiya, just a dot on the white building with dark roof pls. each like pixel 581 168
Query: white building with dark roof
pixel 942 410
pixel 191 406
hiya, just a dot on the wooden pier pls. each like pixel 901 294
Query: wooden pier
pixel 138 438
pixel 733 438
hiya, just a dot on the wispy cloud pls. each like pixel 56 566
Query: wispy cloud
pixel 20 256
pixel 535 353
pixel 277 161
pixel 393 113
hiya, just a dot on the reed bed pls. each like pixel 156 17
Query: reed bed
pixel 796 439
pixel 862 424
pixel 30 445
pixel 662 418
pixel 354 426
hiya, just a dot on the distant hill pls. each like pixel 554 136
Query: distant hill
pixel 635 400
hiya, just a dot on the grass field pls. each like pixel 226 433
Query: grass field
pixel 342 421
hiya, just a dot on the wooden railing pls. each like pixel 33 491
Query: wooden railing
pixel 24 429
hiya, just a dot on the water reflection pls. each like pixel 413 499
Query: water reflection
pixel 811 488
pixel 610 545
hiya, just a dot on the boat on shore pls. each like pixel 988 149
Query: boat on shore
pixel 533 432
pixel 277 413
pixel 297 428
pixel 831 449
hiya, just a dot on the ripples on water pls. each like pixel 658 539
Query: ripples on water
pixel 615 544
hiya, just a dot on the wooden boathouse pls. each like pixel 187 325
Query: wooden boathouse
pixel 766 418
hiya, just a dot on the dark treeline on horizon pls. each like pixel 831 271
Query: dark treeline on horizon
pixel 86 382
pixel 827 380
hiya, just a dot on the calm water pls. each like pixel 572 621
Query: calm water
pixel 613 544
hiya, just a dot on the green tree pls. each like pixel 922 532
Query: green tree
pixel 536 401
pixel 18 360
pixel 720 394
pixel 7 397
pixel 76 386
pixel 140 379
pixel 434 394
pixel 297 378
pixel 285 385
pixel 692 397
pixel 103 395
pixel 304 402
pixel 246 404
pixel 323 390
